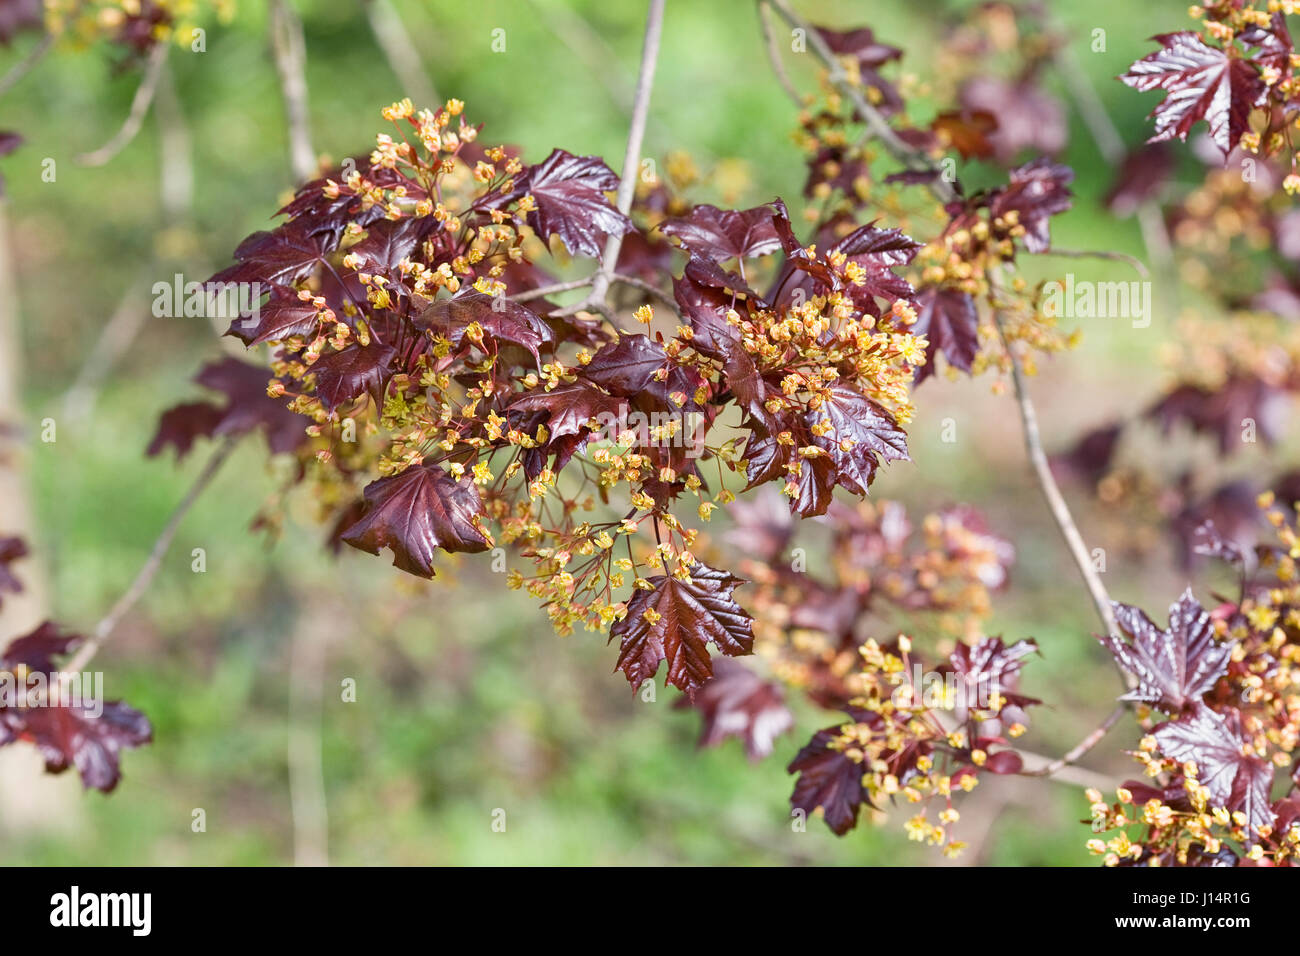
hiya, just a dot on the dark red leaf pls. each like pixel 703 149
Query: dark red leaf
pixel 1175 667
pixel 1026 117
pixel 248 407
pixel 1091 455
pixel 414 514
pixel 179 427
pixel 570 195
pixel 684 616
pixel 569 407
pixel 1037 191
pixel 767 458
pixel 87 734
pixel 1223 412
pixel 828 779
pixel 283 315
pixel 281 257
pixel 986 668
pixel 861 434
pixel 721 234
pixel 1203 82
pixel 1236 779
pixel 736 702
pixel 343 376
pixel 500 318
pixel 950 322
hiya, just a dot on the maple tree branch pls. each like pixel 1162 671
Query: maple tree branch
pixel 1138 265
pixel 544 291
pixel 104 629
pixel 26 64
pixel 631 161
pixel 774 53
pixel 289 50
pixel 309 806
pixel 140 103
pixel 1051 491
pixel 879 126
pixel 1094 737
pixel 650 289
pixel 403 57
pixel 588 46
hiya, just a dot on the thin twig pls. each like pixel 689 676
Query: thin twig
pixel 395 41
pixel 893 143
pixel 556 289
pixel 115 338
pixel 104 629
pixel 140 104
pixel 26 64
pixel 289 50
pixel 1073 776
pixel 631 160
pixel 648 288
pixel 1138 265
pixel 175 160
pixel 1051 492
pixel 307 796
pixel 774 53
pixel 1083 746
pixel 590 47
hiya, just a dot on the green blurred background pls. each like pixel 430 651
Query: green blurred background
pixel 467 702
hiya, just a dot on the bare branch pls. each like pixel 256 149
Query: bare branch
pixel 140 104
pixel 1080 777
pixel 104 629
pixel 559 287
pixel 590 47
pixel 649 289
pixel 289 50
pixel 175 160
pixel 26 64
pixel 1086 744
pixel 631 159
pixel 774 53
pixel 392 36
pixel 1052 492
pixel 1138 265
